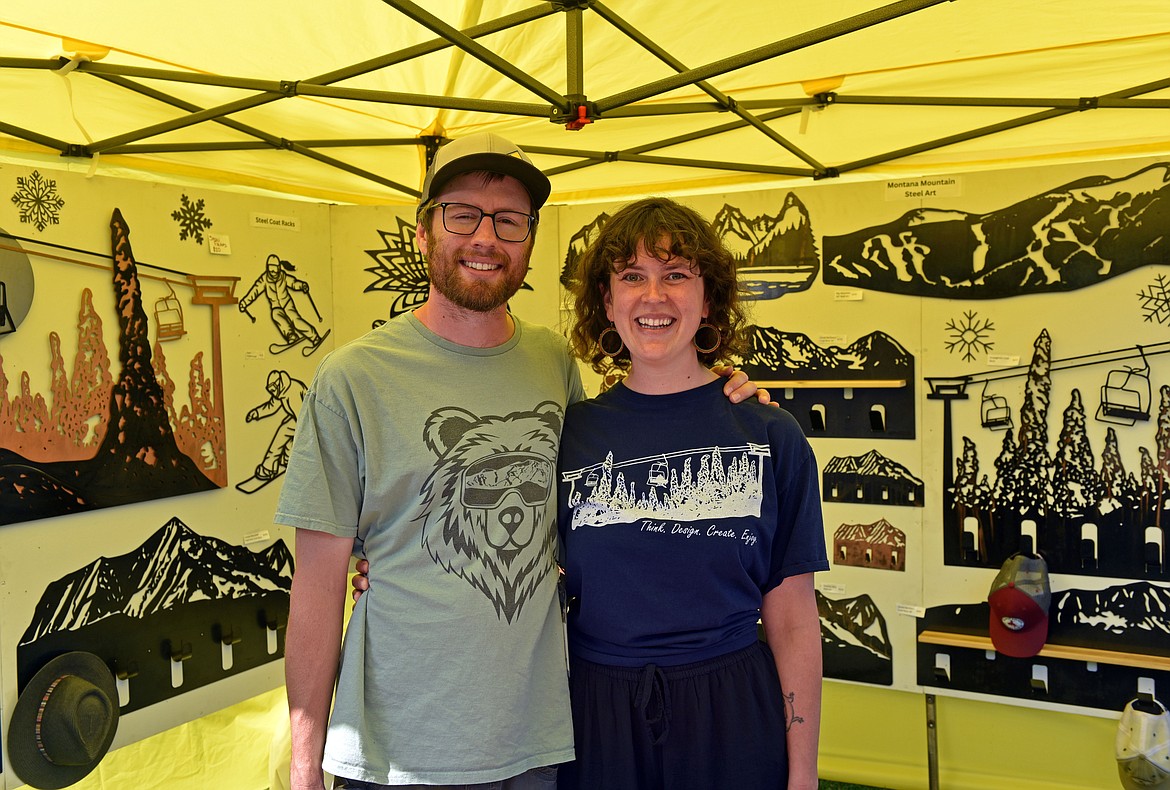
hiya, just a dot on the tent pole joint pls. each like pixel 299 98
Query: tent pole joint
pixel 431 144
pixel 576 113
pixel 825 99
pixel 828 172
pixel 1087 103
pixel 289 87
pixel 571 5
pixel 77 150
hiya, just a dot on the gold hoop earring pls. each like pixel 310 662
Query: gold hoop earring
pixel 610 333
pixel 713 346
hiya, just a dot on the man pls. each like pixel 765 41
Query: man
pixel 428 446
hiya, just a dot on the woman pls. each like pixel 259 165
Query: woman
pixel 684 521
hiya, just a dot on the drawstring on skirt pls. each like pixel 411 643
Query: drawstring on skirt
pixel 653 703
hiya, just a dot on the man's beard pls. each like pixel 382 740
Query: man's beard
pixel 475 295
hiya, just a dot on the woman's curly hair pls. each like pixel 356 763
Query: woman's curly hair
pixel 668 229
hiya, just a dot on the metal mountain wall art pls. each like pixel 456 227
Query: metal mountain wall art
pixel 180 611
pixel 776 354
pixel 854 640
pixel 1066 238
pixel 774 254
pixel 1119 624
pixel 868 385
pixel 878 545
pixel 872 479
pixel 100 440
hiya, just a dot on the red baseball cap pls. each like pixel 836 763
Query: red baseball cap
pixel 1019 600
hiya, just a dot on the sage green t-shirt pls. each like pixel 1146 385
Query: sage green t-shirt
pixel 440 461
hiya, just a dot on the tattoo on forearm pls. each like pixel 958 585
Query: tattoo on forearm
pixel 790 711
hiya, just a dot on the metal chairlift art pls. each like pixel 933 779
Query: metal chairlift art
pixel 994 412
pixel 7 325
pixel 1125 395
pixel 168 316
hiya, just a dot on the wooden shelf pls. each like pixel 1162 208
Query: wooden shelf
pixel 1069 652
pixel 834 384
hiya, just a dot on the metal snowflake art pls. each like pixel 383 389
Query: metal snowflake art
pixel 37 200
pixel 191 219
pixel 1155 300
pixel 400 267
pixel 969 335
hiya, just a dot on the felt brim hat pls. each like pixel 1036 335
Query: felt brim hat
pixel 64 721
pixel 1143 747
pixel 1019 599
pixel 485 152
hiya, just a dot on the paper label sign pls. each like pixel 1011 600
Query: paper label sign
pixel 910 610
pixel 219 244
pixel 924 188
pixel 274 221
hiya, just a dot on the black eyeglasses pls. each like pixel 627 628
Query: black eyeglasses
pixel 463 220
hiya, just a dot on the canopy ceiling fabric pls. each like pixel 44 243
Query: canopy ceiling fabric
pixel 335 101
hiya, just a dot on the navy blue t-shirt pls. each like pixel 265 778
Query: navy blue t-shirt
pixel 677 514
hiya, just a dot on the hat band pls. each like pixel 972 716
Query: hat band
pixel 72 721
pixel 41 716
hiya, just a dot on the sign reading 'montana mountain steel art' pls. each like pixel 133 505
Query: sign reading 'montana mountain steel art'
pixel 98 440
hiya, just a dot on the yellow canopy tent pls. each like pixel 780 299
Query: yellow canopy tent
pixel 341 101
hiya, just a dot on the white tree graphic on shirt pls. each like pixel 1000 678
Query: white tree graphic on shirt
pixel 727 484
